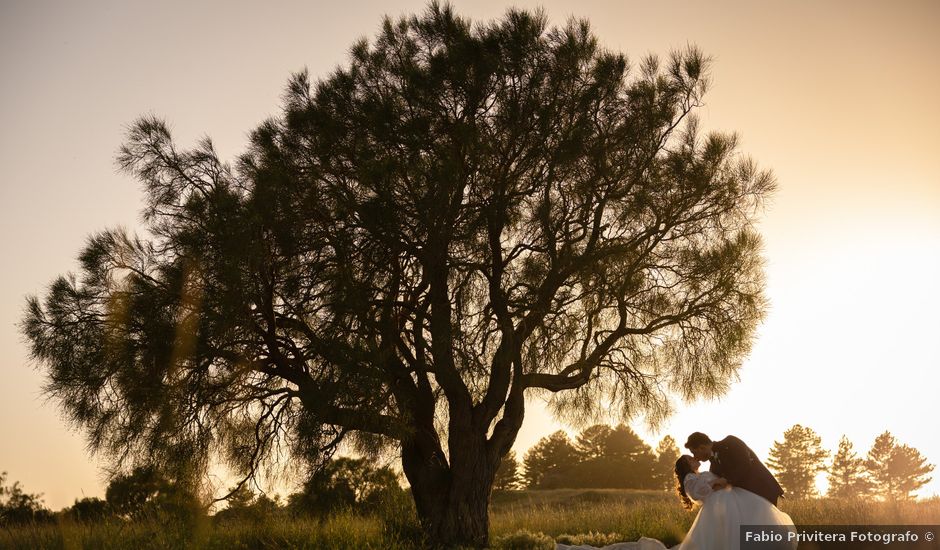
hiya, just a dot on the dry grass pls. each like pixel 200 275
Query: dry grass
pixel 522 520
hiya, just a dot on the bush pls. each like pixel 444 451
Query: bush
pixel 524 540
pixel 348 484
pixel 147 494
pixel 88 510
pixel 257 509
pixel 590 539
pixel 18 507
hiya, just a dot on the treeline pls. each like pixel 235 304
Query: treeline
pixel 601 456
pixel 615 457
pixel 890 470
pixel 147 495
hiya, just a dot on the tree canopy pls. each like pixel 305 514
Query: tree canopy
pixel 461 215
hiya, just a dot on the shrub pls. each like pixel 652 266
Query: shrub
pixel 524 540
pixel 18 507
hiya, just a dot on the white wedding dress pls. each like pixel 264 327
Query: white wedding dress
pixel 717 525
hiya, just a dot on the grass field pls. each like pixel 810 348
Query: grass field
pixel 518 521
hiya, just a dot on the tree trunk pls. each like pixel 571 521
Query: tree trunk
pixel 452 501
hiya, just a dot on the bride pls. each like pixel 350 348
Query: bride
pixel 724 509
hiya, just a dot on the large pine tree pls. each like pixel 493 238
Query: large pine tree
pixel 797 460
pixel 847 475
pixel 593 441
pixel 896 470
pixel 667 452
pixel 631 458
pixel 549 462
pixel 909 470
pixel 612 458
pixel 508 476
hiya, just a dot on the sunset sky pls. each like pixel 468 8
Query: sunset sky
pixel 839 99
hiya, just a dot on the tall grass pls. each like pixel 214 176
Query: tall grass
pixel 599 517
pixel 827 511
pixel 524 520
pixel 341 532
pixel 627 515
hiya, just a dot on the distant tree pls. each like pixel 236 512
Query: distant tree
pixel 88 510
pixel 463 215
pixel 327 491
pixel 264 508
pixel 624 443
pixel 601 457
pixel 910 471
pixel 240 505
pixel 595 465
pixel 147 493
pixel 508 476
pixel 548 464
pixel 897 471
pixel 19 507
pixel 593 442
pixel 240 497
pixel 130 495
pixel 346 484
pixel 879 456
pixel 848 477
pixel 667 452
pixel 636 457
pixel 612 458
pixel 797 460
pixel 380 489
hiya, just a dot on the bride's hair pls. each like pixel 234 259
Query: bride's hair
pixel 683 468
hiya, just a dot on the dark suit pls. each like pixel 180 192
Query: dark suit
pixel 736 462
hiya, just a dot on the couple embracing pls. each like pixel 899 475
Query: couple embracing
pixel 736 490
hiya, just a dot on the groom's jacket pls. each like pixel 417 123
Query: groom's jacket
pixel 736 462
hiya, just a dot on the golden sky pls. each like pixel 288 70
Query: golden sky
pixel 838 98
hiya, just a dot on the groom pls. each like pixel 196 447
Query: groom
pixel 731 459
